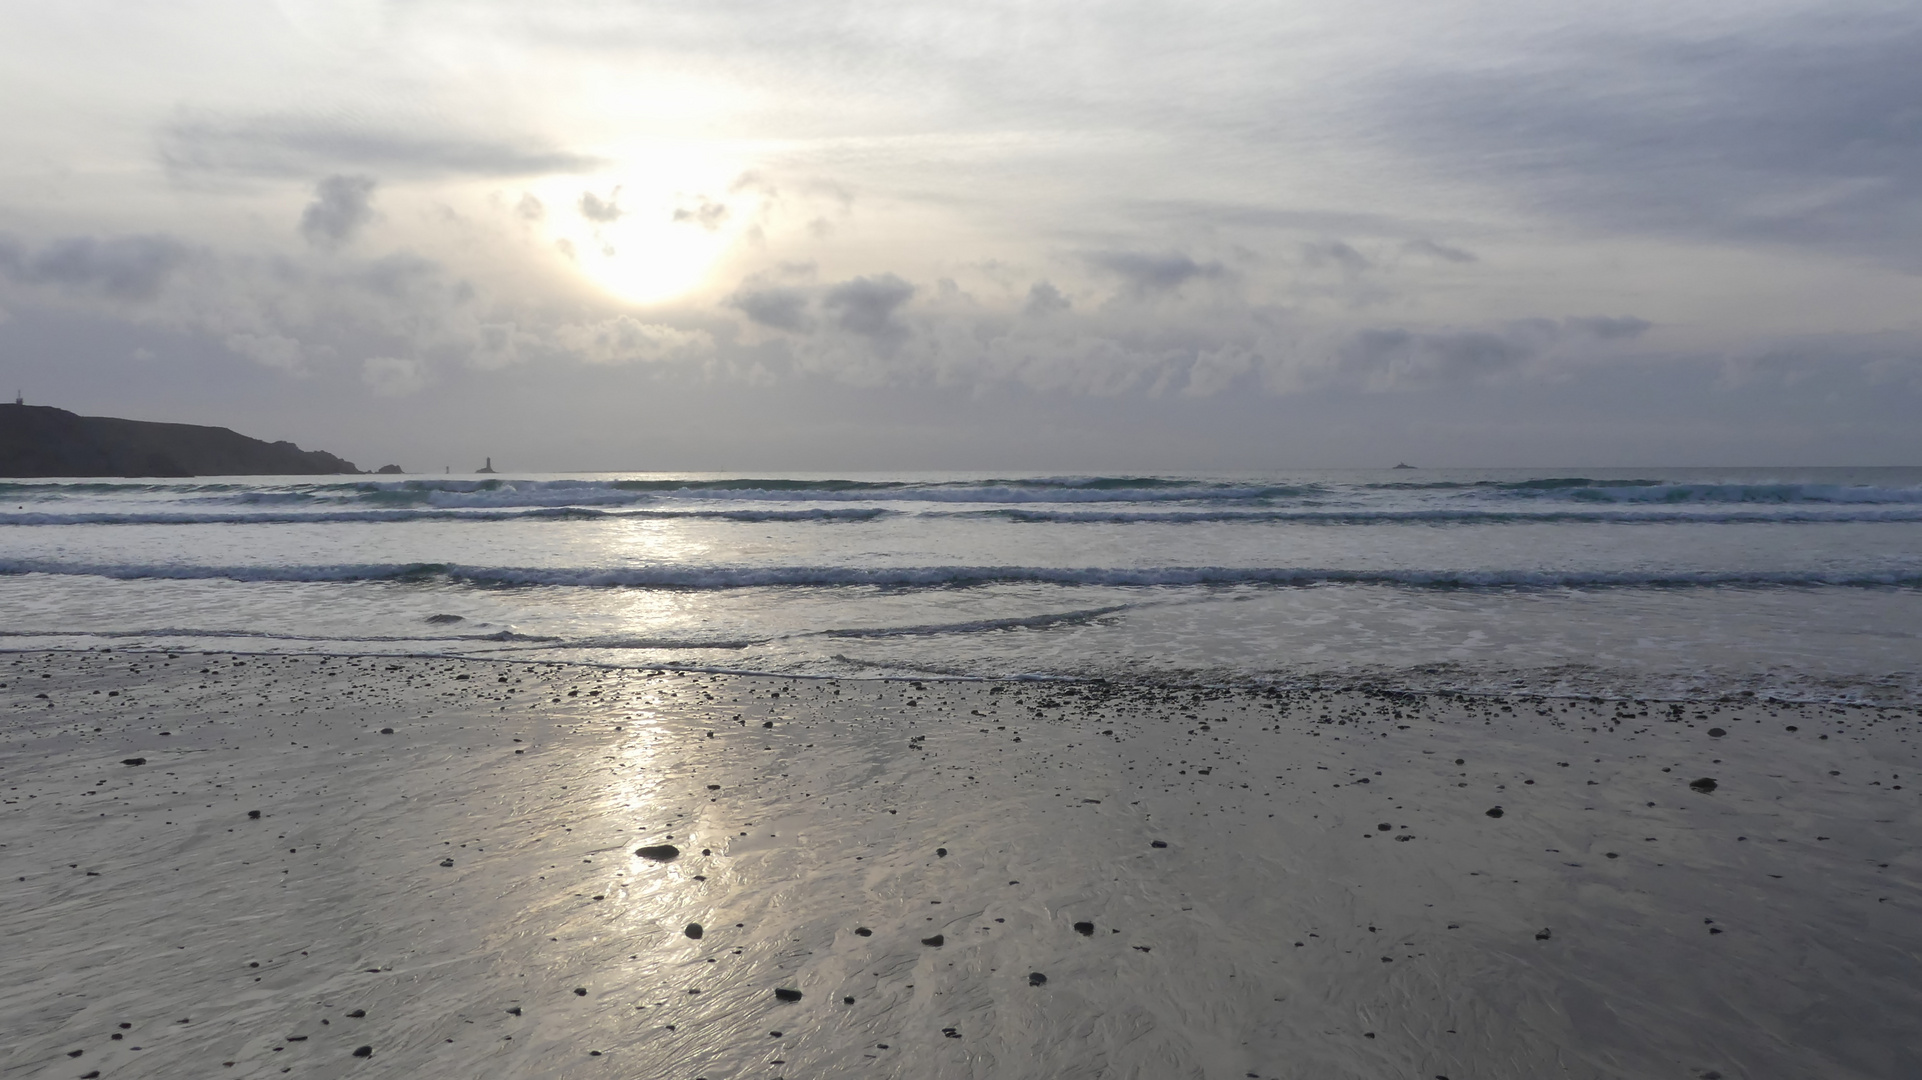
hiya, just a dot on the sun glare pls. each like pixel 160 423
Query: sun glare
pixel 642 243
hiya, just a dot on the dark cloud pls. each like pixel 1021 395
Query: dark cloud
pixel 1385 357
pixel 594 208
pixel 1153 273
pixel 1802 131
pixel 1609 327
pixel 119 268
pixel 866 305
pixel 707 214
pixel 1334 253
pixel 780 308
pixel 287 146
pixel 1439 251
pixel 1044 299
pixel 342 206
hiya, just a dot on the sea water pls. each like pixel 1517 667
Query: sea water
pixel 1798 584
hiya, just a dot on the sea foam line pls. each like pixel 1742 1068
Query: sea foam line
pixel 747 577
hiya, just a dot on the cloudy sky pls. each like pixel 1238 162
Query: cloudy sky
pixel 747 234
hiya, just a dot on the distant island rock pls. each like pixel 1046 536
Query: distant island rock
pixel 38 440
pixel 390 470
pixel 1403 465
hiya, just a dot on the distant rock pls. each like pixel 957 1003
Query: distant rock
pixel 37 440
pixel 390 470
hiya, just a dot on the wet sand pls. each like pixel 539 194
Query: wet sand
pixel 960 879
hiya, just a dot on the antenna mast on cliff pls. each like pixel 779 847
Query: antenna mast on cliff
pixel 19 398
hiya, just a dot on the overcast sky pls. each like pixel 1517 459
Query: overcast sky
pixel 595 234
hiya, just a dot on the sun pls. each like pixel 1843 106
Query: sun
pixel 638 242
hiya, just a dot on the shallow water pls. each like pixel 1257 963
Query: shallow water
pixel 1803 584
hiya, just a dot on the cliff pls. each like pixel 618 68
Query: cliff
pixel 36 440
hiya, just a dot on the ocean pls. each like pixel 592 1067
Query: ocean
pixel 1791 584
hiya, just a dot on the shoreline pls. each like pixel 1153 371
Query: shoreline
pixel 1765 927
pixel 1171 681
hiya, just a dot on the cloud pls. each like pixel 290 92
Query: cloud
pixel 778 307
pixel 707 214
pixel 1334 253
pixel 866 306
pixel 393 376
pixel 292 146
pixel 342 206
pixel 1443 252
pixel 627 340
pixel 270 350
pixel 604 211
pixel 1800 130
pixel 1609 327
pixel 1146 273
pixel 1383 358
pixel 127 268
pixel 1044 299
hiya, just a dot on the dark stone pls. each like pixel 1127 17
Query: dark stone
pixel 714 787
pixel 36 440
pixel 847 1001
pixel 357 1014
pixel 940 853
pixel 863 931
pixel 580 991
pixel 447 862
pixel 694 931
pixel 937 941
pixel 1384 826
pixel 363 1051
pixel 1158 843
pixel 386 731
pixel 1035 978
pixel 786 994
pixel 253 814
pixel 1716 733
pixel 1704 785
pixel 515 1011
pixel 1085 929
pixel 133 761
pixel 1494 811
pixel 1543 934
pixel 659 852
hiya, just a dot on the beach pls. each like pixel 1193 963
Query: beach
pixel 966 878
